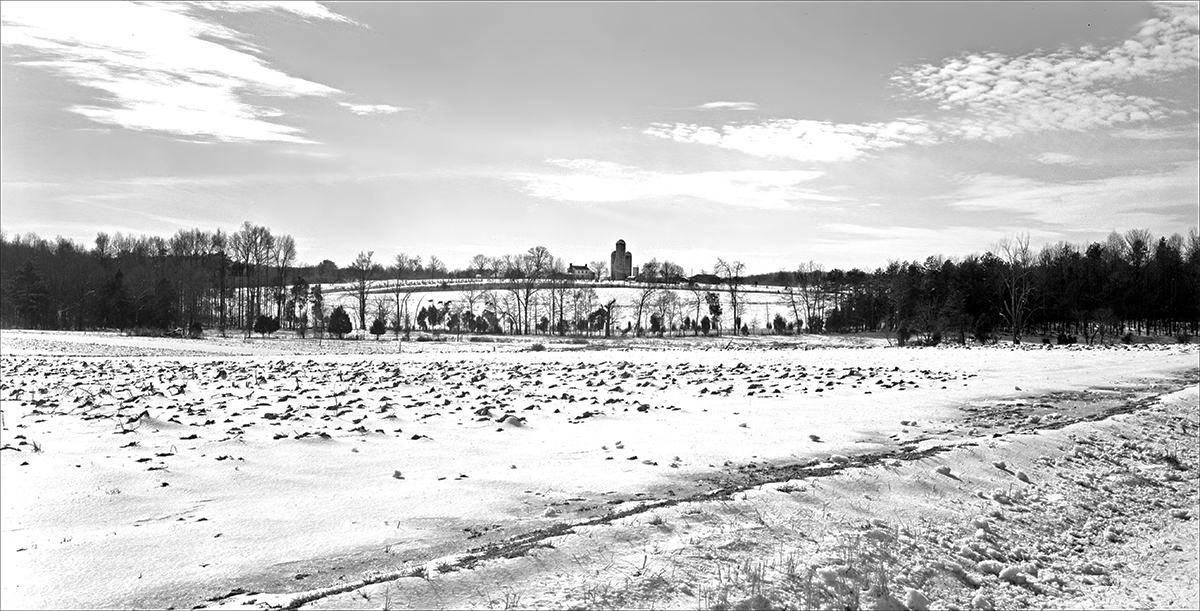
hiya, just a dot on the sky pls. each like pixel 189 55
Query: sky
pixel 847 134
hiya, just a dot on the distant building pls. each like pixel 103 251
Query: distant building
pixel 581 272
pixel 621 263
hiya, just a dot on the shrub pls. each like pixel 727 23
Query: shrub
pixel 1127 338
pixel 143 332
pixel 264 324
pixel 1183 338
pixel 537 348
pixel 982 330
pixel 931 340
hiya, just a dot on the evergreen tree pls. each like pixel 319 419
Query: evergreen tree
pixel 339 322
pixel 378 327
pixel 30 296
pixel 115 309
pixel 779 324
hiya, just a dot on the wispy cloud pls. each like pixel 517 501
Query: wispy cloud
pixel 372 109
pixel 163 67
pixel 1141 200
pixel 311 11
pixel 1072 89
pixel 867 245
pixel 587 180
pixel 799 139
pixel 1058 159
pixel 727 106
pixel 1149 133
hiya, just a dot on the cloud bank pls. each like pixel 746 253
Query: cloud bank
pixel 801 140
pixel 989 96
pixel 727 106
pixel 1072 89
pixel 162 67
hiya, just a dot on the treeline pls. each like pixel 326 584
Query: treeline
pixel 194 280
pixel 1131 283
pixel 248 280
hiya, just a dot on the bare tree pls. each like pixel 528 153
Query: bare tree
pixel 284 255
pixel 671 272
pixel 379 306
pixel 480 264
pixel 806 296
pixel 583 301
pixel 436 268
pixel 559 291
pixel 470 297
pixel 527 270
pixel 697 301
pixel 730 274
pixel 499 266
pixel 651 271
pixel 363 271
pixel 507 307
pixel 403 267
pixel 610 310
pixel 251 246
pixel 1018 282
pixel 666 305
pixel 641 300
pixel 601 269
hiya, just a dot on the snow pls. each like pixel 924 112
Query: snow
pixel 231 483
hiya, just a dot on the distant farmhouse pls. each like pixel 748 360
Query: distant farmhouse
pixel 622 263
pixel 581 272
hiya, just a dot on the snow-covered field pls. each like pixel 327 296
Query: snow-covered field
pixel 672 473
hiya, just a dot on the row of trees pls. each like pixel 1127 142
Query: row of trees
pixel 414 267
pixel 538 297
pixel 194 279
pixel 1131 282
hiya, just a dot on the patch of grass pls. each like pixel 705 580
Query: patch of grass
pixel 512 600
